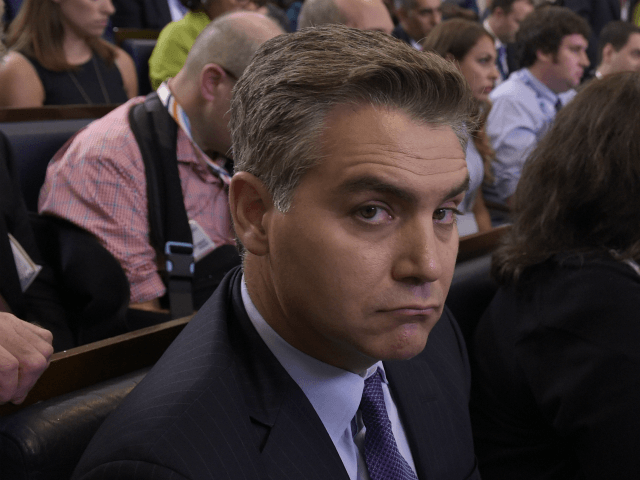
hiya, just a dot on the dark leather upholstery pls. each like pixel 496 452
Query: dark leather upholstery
pixel 471 292
pixel 45 441
pixel 140 50
pixel 33 145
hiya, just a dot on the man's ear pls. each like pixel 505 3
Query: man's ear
pixel 211 76
pixel 250 201
pixel 607 52
pixel 544 57
pixel 498 12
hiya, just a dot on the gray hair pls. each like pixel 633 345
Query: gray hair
pixel 320 12
pixel 280 104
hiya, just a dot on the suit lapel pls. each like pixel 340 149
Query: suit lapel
pixel 413 400
pixel 288 432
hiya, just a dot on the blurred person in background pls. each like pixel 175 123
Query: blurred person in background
pixel 619 49
pixel 552 43
pixel 416 18
pixel 503 23
pixel 361 14
pixel 176 39
pixel 25 349
pixel 57 57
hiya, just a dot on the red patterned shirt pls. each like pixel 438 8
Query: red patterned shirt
pixel 97 180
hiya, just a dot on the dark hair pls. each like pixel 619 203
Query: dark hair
pixel 580 189
pixel 505 5
pixel 194 5
pixel 37 32
pixel 456 37
pixel 617 34
pixel 280 103
pixel 544 29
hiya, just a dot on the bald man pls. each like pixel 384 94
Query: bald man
pixel 98 181
pixel 361 14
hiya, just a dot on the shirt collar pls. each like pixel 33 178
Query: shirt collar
pixel 334 393
pixel 488 28
pixel 536 85
pixel 179 115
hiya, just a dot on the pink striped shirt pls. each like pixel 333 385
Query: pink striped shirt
pixel 97 181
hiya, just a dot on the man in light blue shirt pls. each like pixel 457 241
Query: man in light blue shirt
pixel 553 43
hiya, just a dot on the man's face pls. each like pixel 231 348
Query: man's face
pixel 359 268
pixel 511 21
pixel 369 15
pixel 627 59
pixel 419 21
pixel 567 65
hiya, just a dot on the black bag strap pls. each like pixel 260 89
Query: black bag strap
pixel 169 232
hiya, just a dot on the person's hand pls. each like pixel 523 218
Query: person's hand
pixel 25 350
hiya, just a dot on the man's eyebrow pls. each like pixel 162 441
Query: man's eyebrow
pixel 457 189
pixel 371 183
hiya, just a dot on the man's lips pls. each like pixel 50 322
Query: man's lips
pixel 412 309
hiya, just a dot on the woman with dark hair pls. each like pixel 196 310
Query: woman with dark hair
pixel 176 39
pixel 57 57
pixel 472 49
pixel 556 384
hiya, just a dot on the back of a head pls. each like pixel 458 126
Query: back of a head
pixel 280 104
pixel 544 29
pixel 230 40
pixel 320 12
pixel 454 37
pixel 579 187
pixel 615 33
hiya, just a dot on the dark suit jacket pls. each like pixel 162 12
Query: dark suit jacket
pixel 556 374
pixel 401 34
pixel 152 14
pixel 218 405
pixel 40 303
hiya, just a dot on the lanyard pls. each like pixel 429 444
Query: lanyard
pixel 179 115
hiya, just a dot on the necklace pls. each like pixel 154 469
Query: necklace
pixel 82 91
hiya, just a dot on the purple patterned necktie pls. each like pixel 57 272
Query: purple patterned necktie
pixel 384 461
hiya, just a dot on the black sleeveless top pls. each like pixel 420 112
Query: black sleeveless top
pixel 61 89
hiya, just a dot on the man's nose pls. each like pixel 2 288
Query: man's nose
pixel 417 260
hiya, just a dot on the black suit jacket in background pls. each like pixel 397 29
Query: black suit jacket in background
pixel 152 14
pixel 218 405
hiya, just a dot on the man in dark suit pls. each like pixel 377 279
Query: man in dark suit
pixel 503 23
pixel 310 362
pixel 416 18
